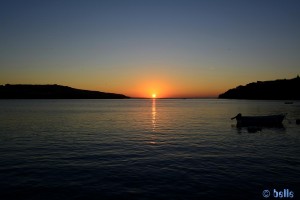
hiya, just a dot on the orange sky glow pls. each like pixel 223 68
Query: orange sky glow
pixel 174 49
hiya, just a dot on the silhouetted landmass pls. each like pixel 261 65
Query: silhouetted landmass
pixel 268 90
pixel 52 92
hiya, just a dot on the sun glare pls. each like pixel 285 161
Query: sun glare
pixel 153 95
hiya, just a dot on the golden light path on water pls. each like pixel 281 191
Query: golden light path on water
pixel 153 115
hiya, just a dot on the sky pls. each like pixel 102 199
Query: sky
pixel 173 48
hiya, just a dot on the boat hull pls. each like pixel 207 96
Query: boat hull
pixel 271 120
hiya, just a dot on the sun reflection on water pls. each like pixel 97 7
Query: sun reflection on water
pixel 153 115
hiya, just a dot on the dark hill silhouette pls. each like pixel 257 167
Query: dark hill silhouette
pixel 268 90
pixel 52 92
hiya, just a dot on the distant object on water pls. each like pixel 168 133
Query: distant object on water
pixel 284 89
pixel 288 102
pixel 52 92
pixel 269 120
pixel 298 121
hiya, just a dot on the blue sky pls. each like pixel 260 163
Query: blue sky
pixel 137 47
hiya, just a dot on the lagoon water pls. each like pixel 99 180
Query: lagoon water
pixel 145 149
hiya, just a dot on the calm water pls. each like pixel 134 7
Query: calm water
pixel 145 149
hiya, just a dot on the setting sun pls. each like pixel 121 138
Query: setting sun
pixel 153 95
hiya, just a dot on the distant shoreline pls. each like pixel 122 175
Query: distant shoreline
pixel 283 89
pixel 21 91
pixel 129 98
